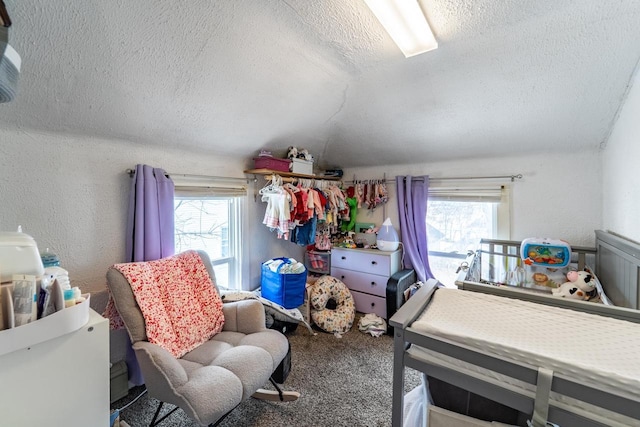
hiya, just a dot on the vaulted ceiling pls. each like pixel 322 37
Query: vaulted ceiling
pixel 235 76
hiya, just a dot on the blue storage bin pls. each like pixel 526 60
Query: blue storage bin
pixel 284 289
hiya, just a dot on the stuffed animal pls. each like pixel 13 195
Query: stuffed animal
pixel 303 154
pixel 353 212
pixel 299 153
pixel 292 153
pixel 581 286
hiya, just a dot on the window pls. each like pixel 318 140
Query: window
pixel 457 218
pixel 210 220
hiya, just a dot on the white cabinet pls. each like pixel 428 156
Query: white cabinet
pixel 366 273
pixel 62 381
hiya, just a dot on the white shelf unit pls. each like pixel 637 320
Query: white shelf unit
pixel 62 381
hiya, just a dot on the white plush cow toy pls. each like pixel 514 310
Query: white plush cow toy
pixel 581 286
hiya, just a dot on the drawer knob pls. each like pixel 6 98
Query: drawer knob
pixel 342 277
pixel 373 283
pixel 373 263
pixel 373 304
pixel 344 257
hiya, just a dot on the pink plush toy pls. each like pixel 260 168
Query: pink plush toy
pixel 581 286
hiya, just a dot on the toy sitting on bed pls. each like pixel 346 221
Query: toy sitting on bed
pixel 552 255
pixel 581 286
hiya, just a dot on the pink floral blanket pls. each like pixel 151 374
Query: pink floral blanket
pixel 181 307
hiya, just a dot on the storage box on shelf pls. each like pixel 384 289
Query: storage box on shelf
pixel 366 273
pixel 281 165
pixel 304 167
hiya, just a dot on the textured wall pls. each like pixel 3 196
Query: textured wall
pixel 621 183
pixel 558 197
pixel 71 194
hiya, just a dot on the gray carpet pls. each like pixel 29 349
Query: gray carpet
pixel 343 382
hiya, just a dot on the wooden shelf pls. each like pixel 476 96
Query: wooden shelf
pixel 290 174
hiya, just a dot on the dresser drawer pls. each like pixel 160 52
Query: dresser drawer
pixel 366 303
pixel 369 261
pixel 363 282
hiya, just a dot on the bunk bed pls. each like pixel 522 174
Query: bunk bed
pixel 570 362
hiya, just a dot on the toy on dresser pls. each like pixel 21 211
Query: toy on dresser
pixel 581 286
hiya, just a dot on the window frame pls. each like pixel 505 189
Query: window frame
pixel 499 196
pixel 236 197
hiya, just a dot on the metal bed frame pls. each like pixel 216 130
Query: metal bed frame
pixel 616 260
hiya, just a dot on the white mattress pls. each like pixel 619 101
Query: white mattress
pixel 596 350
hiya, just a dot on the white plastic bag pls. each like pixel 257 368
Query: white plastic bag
pixel 416 403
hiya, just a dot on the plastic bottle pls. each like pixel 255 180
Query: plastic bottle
pixel 49 259
pixel 77 295
pixel 69 300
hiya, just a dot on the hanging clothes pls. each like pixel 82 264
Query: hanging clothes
pixel 305 234
pixel 277 215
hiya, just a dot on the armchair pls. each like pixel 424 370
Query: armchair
pixel 215 371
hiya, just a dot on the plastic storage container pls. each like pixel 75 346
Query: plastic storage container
pixel 301 166
pixel 318 262
pixel 272 163
pixel 18 255
pixel 286 289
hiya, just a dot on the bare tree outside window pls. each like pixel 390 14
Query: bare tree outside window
pixel 454 228
pixel 204 224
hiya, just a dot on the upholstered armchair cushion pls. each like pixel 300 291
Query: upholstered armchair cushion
pixel 181 307
pixel 213 378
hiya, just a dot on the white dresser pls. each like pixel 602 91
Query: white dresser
pixel 366 273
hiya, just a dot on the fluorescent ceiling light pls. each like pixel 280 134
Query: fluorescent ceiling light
pixel 406 24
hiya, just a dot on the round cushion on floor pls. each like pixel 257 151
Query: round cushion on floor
pixel 338 320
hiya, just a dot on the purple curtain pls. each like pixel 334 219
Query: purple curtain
pixel 412 210
pixel 150 230
pixel 150 227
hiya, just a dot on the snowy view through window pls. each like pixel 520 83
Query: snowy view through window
pixel 203 224
pixel 453 229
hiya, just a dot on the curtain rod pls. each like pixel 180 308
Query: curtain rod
pixel 451 178
pixel 168 175
pixel 511 177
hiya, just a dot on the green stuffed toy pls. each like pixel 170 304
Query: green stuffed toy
pixel 353 206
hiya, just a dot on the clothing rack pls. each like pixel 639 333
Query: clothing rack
pixel 376 182
pixel 451 178
pixel 369 181
pixel 313 182
pixel 306 182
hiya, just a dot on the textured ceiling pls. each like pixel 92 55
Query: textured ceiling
pixel 235 76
